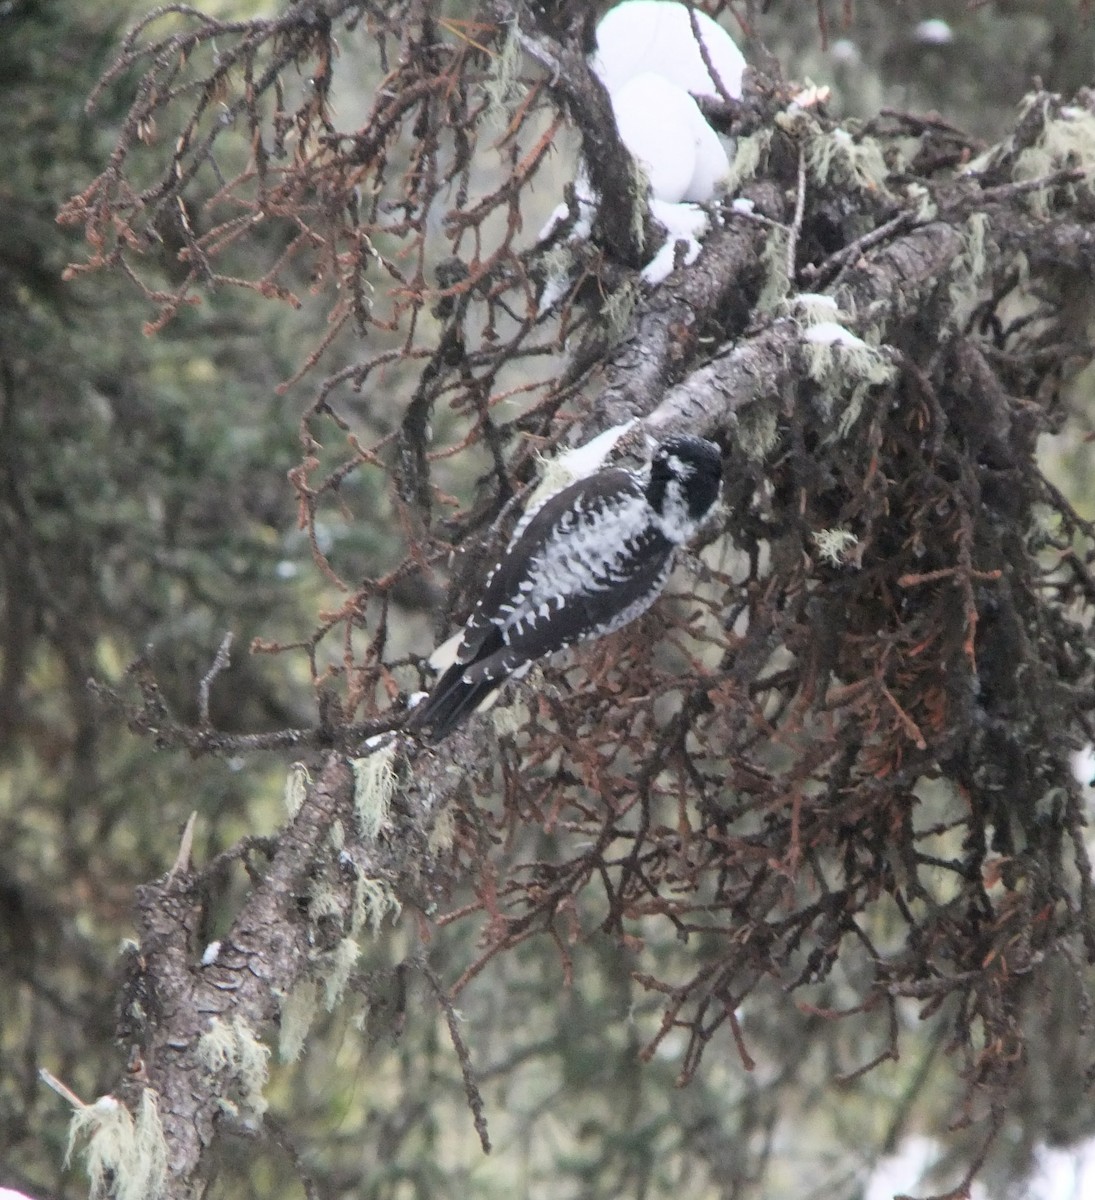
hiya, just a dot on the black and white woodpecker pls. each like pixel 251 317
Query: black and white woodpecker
pixel 591 558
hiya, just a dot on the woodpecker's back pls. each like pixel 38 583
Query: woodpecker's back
pixel 591 559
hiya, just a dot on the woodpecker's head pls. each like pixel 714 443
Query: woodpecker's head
pixel 685 473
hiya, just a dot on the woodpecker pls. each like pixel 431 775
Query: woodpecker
pixel 587 561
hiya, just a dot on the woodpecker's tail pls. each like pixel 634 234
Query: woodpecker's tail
pixel 451 702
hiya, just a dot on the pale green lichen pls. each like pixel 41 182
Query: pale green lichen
pixel 758 430
pixel 798 123
pixel 373 901
pixel 967 272
pixel 556 267
pixel 443 832
pixel 554 476
pixel 926 208
pixel 815 308
pixel 1067 140
pixel 749 153
pixel 502 85
pixel 298 1011
pixel 1021 265
pixel 324 903
pixel 229 1048
pixel 339 965
pixel 617 310
pixel 774 262
pixel 509 718
pixel 837 158
pixel 375 782
pixel 126 1159
pixel 297 783
pixel 847 370
pixel 834 545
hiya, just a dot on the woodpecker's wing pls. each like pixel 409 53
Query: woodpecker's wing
pixel 558 553
pixel 612 599
pixel 588 562
pixel 510 645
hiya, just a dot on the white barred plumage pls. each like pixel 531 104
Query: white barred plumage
pixel 592 558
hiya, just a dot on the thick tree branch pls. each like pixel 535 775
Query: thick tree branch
pixel 181 993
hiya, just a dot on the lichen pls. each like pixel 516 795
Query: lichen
pixel 502 83
pixel 339 964
pixel 1066 141
pixel 617 310
pixel 838 159
pixel 815 308
pixel 323 902
pixel 297 783
pixel 639 193
pixel 509 718
pixel 125 1158
pixel 298 1011
pixel 556 268
pixel 443 832
pixel 774 261
pixel 967 272
pixel 758 430
pixel 834 545
pixel 373 901
pixel 849 368
pixel 375 782
pixel 230 1049
pixel 749 153
pixel 926 207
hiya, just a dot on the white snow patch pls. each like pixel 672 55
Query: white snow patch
pixel 683 222
pixel 1082 763
pixel 565 468
pixel 664 129
pixel 582 461
pixel 560 275
pixel 1059 1174
pixel 585 201
pixel 812 301
pixel 846 52
pixel 1063 1174
pixel 829 333
pixel 934 32
pixel 657 35
pixel 555 288
pixel 583 222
